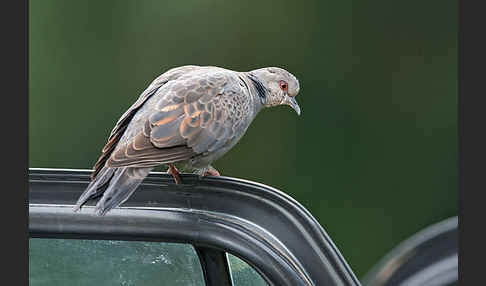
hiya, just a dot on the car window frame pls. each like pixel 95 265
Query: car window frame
pixel 259 224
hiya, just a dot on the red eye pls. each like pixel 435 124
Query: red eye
pixel 283 85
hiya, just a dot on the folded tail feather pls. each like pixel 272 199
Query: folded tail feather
pixel 95 187
pixel 123 181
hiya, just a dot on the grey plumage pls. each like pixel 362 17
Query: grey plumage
pixel 191 115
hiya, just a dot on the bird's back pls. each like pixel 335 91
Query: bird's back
pixel 214 104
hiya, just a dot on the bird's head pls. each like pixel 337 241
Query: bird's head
pixel 276 86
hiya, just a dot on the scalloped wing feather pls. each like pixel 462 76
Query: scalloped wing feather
pixel 192 118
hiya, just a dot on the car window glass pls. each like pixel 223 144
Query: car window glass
pixel 243 274
pixel 105 262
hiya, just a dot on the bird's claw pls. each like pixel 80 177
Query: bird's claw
pixel 211 172
pixel 175 173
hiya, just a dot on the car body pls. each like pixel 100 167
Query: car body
pixel 219 217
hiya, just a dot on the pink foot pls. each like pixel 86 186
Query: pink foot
pixel 211 172
pixel 175 173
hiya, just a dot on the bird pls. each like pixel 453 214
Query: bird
pixel 190 115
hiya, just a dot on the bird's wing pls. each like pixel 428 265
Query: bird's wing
pixel 125 119
pixel 196 115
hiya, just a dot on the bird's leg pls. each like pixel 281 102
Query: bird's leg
pixel 211 171
pixel 175 173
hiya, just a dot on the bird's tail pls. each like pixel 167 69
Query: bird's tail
pixel 121 183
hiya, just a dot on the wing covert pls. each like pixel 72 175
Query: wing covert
pixel 196 114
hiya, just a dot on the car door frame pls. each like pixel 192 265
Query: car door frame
pixel 259 224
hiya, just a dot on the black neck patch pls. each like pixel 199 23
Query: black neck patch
pixel 260 88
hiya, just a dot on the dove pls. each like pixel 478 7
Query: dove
pixel 189 115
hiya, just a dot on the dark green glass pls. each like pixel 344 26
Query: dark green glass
pixel 55 262
pixel 243 274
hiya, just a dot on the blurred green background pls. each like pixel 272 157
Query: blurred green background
pixel 373 155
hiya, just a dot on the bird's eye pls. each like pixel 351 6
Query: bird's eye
pixel 283 85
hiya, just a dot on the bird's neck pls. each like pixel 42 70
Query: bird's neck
pixel 255 93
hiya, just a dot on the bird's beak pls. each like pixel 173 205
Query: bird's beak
pixel 290 101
